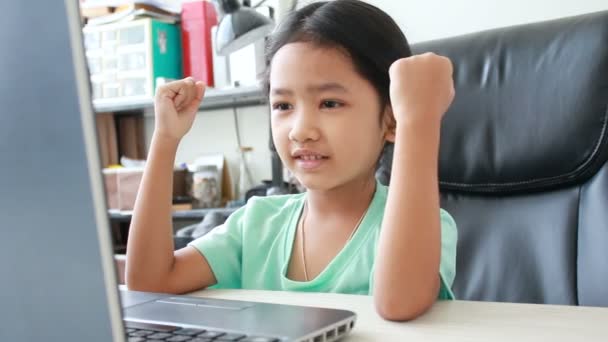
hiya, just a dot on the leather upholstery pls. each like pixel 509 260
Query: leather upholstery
pixel 523 161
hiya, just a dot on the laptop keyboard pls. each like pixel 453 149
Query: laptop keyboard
pixel 140 332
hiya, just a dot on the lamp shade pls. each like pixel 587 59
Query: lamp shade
pixel 239 26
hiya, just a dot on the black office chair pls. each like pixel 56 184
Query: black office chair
pixel 523 161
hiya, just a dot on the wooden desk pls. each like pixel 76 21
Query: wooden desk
pixel 450 321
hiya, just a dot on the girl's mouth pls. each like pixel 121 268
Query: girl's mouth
pixel 310 162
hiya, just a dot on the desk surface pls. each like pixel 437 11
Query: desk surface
pixel 450 321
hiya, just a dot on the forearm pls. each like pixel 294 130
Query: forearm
pixel 150 245
pixel 409 251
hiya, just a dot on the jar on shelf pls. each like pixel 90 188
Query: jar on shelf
pixel 205 189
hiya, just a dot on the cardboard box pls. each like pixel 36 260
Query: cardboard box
pixel 122 185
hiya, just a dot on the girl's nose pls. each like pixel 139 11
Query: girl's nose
pixel 305 127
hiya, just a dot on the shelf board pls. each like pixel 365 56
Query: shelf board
pixel 214 99
pixel 178 215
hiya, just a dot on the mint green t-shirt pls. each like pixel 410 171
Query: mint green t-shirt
pixel 252 249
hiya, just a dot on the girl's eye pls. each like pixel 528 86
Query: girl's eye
pixel 331 104
pixel 281 106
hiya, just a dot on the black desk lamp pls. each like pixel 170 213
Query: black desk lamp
pixel 238 26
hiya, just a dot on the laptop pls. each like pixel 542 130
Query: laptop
pixel 58 279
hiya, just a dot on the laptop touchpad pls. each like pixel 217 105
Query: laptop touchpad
pixel 206 303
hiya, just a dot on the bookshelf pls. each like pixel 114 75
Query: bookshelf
pixel 178 215
pixel 127 109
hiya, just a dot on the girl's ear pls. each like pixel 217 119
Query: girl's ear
pixel 389 124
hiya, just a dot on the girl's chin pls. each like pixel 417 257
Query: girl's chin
pixel 326 181
pixel 316 182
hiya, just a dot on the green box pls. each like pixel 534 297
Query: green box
pixel 126 59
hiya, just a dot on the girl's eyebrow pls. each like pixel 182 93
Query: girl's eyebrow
pixel 281 91
pixel 318 88
pixel 331 86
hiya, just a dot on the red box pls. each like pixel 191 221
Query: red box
pixel 198 17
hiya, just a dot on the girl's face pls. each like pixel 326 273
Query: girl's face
pixel 325 117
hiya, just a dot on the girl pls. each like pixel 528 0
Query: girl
pixel 342 83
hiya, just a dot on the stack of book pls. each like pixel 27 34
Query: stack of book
pixel 100 12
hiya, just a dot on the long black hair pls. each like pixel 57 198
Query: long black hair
pixel 369 36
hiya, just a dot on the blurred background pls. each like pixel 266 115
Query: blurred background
pixel 227 157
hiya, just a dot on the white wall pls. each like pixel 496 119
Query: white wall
pixel 420 19
pixel 423 20
pixel 214 131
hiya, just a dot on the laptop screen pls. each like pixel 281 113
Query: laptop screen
pixel 58 280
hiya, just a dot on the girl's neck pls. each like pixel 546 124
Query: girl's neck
pixel 350 199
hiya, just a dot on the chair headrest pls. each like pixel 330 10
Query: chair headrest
pixel 531 106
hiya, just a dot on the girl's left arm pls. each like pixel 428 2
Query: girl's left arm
pixel 406 278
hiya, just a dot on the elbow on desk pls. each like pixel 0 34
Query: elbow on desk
pixel 391 313
pixel 139 287
pixel 401 309
pixel 156 287
pixel 168 286
pixel 135 282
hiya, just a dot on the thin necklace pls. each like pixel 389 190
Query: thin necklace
pixel 304 214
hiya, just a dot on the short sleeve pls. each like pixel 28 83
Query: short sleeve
pixel 222 247
pixel 447 266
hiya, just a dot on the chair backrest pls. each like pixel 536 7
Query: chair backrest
pixel 523 161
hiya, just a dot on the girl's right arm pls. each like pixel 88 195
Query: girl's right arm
pixel 152 265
